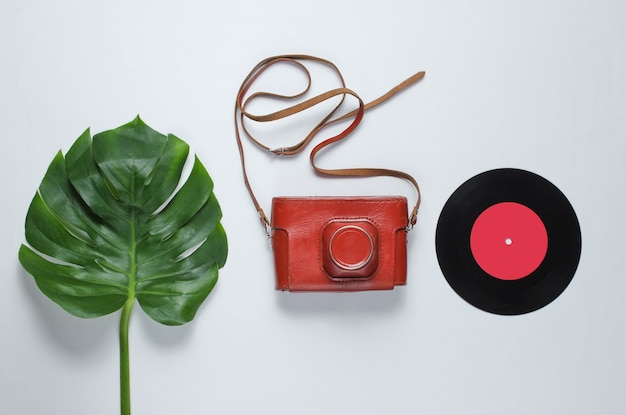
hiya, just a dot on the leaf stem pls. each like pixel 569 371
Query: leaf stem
pixel 127 310
pixel 125 357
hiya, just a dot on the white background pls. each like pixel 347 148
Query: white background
pixel 537 85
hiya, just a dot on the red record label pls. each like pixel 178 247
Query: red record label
pixel 509 241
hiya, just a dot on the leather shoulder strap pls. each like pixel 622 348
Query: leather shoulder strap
pixel 241 114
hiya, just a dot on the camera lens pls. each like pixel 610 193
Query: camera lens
pixel 351 247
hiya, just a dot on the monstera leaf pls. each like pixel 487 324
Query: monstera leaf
pixel 112 223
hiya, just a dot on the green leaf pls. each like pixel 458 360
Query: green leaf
pixel 109 226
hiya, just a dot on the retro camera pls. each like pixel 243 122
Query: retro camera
pixel 339 243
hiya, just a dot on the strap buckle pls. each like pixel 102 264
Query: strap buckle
pixel 278 152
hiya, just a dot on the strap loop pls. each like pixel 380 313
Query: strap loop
pixel 241 114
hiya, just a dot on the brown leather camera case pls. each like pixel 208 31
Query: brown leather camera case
pixel 329 243
pixel 368 235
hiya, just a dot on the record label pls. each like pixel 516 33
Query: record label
pixel 508 241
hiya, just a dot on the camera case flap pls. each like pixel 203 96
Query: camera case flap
pixel 339 243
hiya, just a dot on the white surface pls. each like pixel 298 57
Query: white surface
pixel 537 85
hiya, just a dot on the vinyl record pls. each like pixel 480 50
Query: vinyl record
pixel 508 241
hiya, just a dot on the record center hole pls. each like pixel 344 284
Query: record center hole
pixel 508 241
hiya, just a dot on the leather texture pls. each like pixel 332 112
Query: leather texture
pixel 301 250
